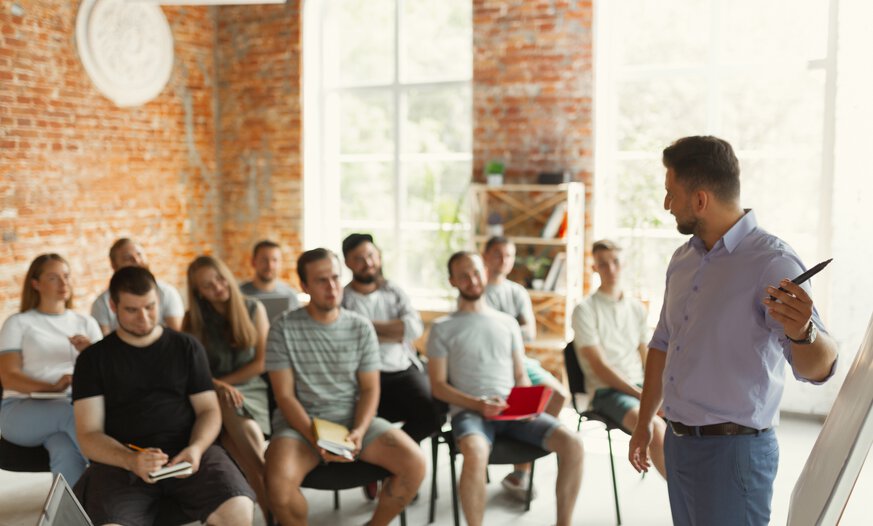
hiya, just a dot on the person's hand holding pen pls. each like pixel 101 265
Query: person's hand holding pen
pixel 491 406
pixel 145 460
pixel 790 305
pixel 793 308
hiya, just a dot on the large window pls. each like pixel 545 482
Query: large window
pixel 762 75
pixel 389 130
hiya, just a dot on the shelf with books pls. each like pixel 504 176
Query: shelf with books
pixel 546 223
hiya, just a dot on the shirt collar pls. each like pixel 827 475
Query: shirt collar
pixel 731 239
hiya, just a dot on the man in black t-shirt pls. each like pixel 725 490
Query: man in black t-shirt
pixel 143 399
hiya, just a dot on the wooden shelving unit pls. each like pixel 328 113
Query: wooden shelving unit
pixel 525 209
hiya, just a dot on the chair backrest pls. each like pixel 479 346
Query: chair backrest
pixel 575 375
pixel 575 379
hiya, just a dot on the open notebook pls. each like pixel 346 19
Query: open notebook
pixel 62 508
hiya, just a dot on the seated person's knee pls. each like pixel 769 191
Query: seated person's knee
pixel 474 448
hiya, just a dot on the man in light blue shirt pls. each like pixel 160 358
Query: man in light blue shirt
pixel 716 360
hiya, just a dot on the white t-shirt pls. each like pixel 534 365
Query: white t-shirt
pixel 389 302
pixel 618 327
pixel 43 341
pixel 171 306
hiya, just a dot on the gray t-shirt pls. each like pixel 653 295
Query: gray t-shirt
pixel 389 302
pixel 325 360
pixel 478 347
pixel 170 304
pixel 513 299
pixel 282 289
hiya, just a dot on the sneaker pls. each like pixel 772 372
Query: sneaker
pixel 516 485
pixel 371 490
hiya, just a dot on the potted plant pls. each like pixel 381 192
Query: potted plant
pixel 494 173
pixel 538 267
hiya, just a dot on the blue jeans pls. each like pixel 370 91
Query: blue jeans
pixel 721 480
pixel 47 423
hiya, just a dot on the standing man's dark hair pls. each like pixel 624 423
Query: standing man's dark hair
pixel 705 162
pixel 308 257
pixel 133 280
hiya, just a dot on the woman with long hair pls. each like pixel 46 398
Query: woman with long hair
pixel 233 329
pixel 38 350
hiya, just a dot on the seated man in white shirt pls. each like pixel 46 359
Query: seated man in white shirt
pixel 611 341
pixel 126 252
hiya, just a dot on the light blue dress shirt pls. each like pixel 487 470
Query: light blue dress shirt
pixel 725 354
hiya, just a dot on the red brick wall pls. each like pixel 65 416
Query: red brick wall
pixel 76 172
pixel 259 131
pixel 533 87
pixel 533 77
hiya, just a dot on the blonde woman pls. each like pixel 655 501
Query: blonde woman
pixel 233 329
pixel 38 349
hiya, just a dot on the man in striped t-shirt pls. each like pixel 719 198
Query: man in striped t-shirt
pixel 324 362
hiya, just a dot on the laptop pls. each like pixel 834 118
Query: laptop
pixel 61 507
pixel 275 305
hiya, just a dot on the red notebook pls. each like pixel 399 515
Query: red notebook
pixel 525 402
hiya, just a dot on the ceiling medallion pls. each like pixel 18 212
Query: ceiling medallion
pixel 126 48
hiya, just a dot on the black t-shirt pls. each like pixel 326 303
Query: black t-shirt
pixel 145 389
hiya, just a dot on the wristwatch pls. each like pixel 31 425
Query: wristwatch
pixel 811 334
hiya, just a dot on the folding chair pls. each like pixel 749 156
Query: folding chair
pixel 581 403
pixel 504 451
pixel 346 475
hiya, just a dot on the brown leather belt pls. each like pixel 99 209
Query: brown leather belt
pixel 723 429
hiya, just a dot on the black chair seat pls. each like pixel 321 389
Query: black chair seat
pixel 343 475
pixel 508 451
pixel 22 458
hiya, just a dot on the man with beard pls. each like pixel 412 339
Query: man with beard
pixel 404 386
pixel 267 264
pixel 126 252
pixel 731 319
pixel 476 357
pixel 323 362
pixel 143 399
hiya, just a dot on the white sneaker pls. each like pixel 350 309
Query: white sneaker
pixel 516 485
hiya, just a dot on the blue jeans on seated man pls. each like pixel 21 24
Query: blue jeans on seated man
pixel 47 423
pixel 721 480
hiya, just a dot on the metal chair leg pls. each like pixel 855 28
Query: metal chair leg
pixel 614 485
pixel 403 517
pixel 434 448
pixel 335 499
pixel 529 487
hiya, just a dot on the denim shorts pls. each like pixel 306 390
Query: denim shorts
pixel 535 432
pixel 613 403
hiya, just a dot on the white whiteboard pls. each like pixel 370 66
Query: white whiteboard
pixel 827 479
